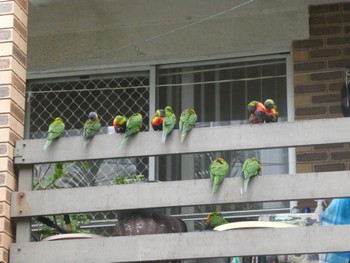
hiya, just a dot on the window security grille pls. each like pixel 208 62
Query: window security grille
pixel 72 100
pixel 219 91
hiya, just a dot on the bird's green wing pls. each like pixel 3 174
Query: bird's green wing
pixel 251 168
pixel 169 123
pixel 133 126
pixel 56 130
pixel 91 128
pixel 188 120
pixel 218 170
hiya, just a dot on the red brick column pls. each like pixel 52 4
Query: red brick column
pixel 13 55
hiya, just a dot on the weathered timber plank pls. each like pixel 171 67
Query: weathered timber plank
pixel 191 245
pixel 180 193
pixel 236 137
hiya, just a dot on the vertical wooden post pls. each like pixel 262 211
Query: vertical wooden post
pixel 13 60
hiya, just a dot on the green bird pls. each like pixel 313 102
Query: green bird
pixel 188 120
pixel 133 126
pixel 251 168
pixel 91 127
pixel 169 122
pixel 215 219
pixel 218 170
pixel 56 130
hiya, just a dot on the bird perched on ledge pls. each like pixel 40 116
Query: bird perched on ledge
pixel 133 126
pixel 215 219
pixel 56 130
pixel 119 123
pixel 218 170
pixel 257 112
pixel 169 122
pixel 91 127
pixel 157 120
pixel 271 114
pixel 251 168
pixel 188 120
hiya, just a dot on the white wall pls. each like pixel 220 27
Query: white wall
pixel 68 34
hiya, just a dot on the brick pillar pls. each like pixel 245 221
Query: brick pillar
pixel 13 55
pixel 319 73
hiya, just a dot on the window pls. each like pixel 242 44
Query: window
pixel 72 99
pixel 219 91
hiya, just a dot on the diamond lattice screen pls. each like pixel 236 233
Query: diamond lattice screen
pixel 72 100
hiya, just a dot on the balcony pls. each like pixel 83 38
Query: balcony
pixel 191 245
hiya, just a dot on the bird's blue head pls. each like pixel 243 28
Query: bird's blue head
pixel 92 115
pixel 270 104
pixel 162 112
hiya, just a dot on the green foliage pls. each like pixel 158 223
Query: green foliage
pixel 45 182
pixel 134 179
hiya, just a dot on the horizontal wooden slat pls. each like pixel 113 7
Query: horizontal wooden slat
pixel 180 193
pixel 192 245
pixel 224 138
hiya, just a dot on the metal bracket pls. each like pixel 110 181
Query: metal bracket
pixel 19 152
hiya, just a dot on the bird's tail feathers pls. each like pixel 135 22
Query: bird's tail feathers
pixel 164 134
pixel 86 142
pixel 47 143
pixel 245 185
pixel 123 141
pixel 214 189
pixel 183 136
pixel 216 183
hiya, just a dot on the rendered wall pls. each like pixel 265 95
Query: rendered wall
pixel 72 34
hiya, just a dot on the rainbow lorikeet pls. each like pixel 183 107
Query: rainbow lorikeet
pixel 157 120
pixel 218 170
pixel 169 122
pixel 215 219
pixel 251 168
pixel 119 123
pixel 257 112
pixel 91 127
pixel 188 120
pixel 271 111
pixel 133 126
pixel 56 130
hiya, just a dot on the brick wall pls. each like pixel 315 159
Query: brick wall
pixel 319 74
pixel 13 50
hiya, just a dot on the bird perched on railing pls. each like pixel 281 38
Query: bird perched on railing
pixel 257 112
pixel 215 219
pixel 91 127
pixel 188 120
pixel 251 168
pixel 218 170
pixel 169 122
pixel 133 126
pixel 56 130
pixel 119 123
pixel 157 120
pixel 271 114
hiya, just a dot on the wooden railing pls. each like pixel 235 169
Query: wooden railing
pixel 27 203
